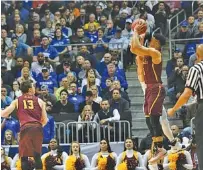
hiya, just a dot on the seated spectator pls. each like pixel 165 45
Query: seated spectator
pixel 5 160
pixel 49 128
pixel 57 16
pixel 6 76
pixel 114 76
pixel 59 41
pixel 192 60
pixel 74 97
pixel 11 124
pixel 19 34
pixel 47 16
pixel 183 33
pixel 199 34
pixel 9 138
pixel 91 20
pixel 95 92
pixel 101 45
pixel 108 86
pixel 55 154
pixel 13 21
pixel 48 30
pixel 63 106
pixel 39 64
pixel 20 49
pixel 102 66
pixel 118 41
pixel 192 28
pixel 79 37
pixel 170 66
pixel 46 96
pixel 16 92
pixel 66 70
pixel 5 99
pixel 6 39
pixel 122 105
pixel 90 80
pixel 127 32
pixel 65 84
pixel 25 75
pixel 116 85
pixel 92 33
pixel 78 64
pixel 110 31
pixel 121 19
pixel 50 52
pixel 119 65
pixel 107 11
pixel 86 67
pixel 67 32
pixel 87 55
pixel 4 24
pixel 105 116
pixel 103 21
pixel 199 17
pixel 81 20
pixel 35 40
pixel 48 80
pixel 89 101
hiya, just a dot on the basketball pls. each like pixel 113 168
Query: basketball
pixel 140 25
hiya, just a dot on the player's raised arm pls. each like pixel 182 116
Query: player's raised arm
pixel 8 110
pixel 44 118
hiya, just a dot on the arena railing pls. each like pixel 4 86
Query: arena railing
pixel 74 47
pixel 181 43
pixel 178 22
pixel 60 127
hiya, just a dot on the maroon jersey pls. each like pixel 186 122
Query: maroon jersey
pixel 29 109
pixel 152 72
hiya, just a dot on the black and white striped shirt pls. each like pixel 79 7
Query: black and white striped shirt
pixel 195 79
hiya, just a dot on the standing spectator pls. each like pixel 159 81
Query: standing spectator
pixel 49 128
pixel 50 53
pixel 161 17
pixel 74 97
pixel 46 96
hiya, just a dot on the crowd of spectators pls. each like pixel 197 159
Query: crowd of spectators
pixel 73 51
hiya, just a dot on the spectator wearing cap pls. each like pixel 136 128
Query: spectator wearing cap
pixel 199 17
pixel 127 32
pixel 110 31
pixel 63 105
pixel 6 75
pixel 125 8
pixel 39 64
pixel 112 74
pixel 20 49
pixel 192 28
pixel 92 19
pixel 183 33
pixel 89 101
pixel 5 99
pixel 48 50
pixel 46 96
pixel 66 70
pixel 48 80
pixel 171 64
pixel 118 42
pixel 120 20
pixel 59 41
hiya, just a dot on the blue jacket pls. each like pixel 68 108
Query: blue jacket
pixel 76 99
pixel 49 129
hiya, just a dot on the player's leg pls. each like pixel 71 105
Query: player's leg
pixel 38 161
pixel 24 163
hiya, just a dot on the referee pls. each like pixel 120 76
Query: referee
pixel 194 83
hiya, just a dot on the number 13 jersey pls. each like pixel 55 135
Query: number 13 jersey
pixel 29 109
